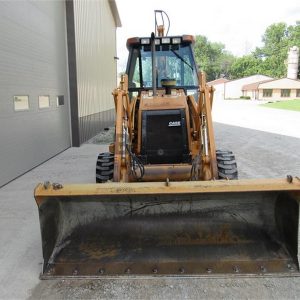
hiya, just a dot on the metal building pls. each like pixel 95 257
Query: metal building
pixel 57 71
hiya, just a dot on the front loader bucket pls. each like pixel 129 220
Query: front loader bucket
pixel 180 228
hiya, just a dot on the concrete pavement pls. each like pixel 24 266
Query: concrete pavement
pixel 20 241
pixel 250 114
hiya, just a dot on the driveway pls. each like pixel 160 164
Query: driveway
pixel 249 114
pixel 259 154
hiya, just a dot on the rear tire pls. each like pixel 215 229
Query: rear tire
pixel 227 167
pixel 104 167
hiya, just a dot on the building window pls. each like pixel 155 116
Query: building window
pixel 285 93
pixel 44 101
pixel 297 93
pixel 21 103
pixel 267 92
pixel 60 100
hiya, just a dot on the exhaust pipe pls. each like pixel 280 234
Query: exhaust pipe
pixel 153 63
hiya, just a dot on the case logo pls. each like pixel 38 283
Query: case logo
pixel 174 124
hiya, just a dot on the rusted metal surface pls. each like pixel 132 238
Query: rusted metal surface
pixel 162 268
pixel 169 234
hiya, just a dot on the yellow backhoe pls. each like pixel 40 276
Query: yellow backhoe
pixel 166 202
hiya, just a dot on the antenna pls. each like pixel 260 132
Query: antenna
pixel 160 28
pixel 152 40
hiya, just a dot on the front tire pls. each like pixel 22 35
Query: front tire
pixel 104 167
pixel 227 167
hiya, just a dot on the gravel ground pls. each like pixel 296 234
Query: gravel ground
pixel 103 138
pixel 259 154
pixel 170 288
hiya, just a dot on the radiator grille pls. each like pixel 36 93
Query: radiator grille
pixel 164 136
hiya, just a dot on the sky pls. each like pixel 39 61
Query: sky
pixel 239 25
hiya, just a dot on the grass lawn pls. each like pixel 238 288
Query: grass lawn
pixel 287 104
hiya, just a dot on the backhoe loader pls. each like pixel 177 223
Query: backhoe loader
pixel 166 202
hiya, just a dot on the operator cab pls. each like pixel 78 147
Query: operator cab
pixel 174 63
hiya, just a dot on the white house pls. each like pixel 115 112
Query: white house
pixel 233 88
pixel 276 89
pixel 251 90
pixel 218 85
pixel 283 89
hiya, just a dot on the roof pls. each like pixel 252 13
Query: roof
pixel 254 85
pixel 115 12
pixel 282 83
pixel 257 76
pixel 217 81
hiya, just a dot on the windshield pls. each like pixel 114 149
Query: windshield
pixel 171 62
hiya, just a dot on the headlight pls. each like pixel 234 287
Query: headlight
pixel 176 40
pixel 145 41
pixel 165 40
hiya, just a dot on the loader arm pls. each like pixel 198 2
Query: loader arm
pixel 209 160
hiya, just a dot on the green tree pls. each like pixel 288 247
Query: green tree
pixel 277 40
pixel 245 66
pixel 271 58
pixel 212 58
pixel 294 33
pixel 273 53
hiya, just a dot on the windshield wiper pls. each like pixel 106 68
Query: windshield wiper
pixel 182 59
